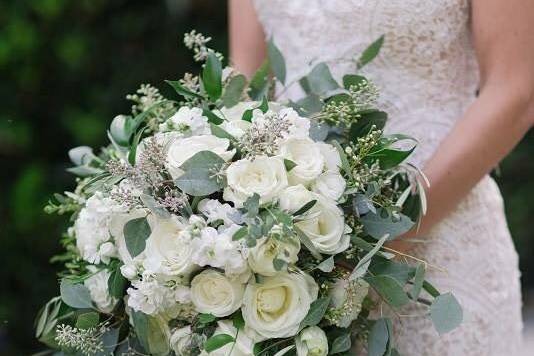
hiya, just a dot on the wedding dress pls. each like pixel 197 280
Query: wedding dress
pixel 428 76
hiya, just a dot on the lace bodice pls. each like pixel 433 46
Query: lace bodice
pixel 427 74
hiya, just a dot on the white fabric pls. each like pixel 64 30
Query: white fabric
pixel 428 76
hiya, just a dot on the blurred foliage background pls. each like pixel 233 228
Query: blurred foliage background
pixel 66 66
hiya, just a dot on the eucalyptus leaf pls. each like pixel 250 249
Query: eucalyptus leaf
pixel 340 344
pixel 370 52
pixel 276 59
pixel 389 289
pixel 239 234
pixel 199 177
pixel 259 84
pixel 212 76
pixel 419 278
pixel 320 80
pixel 318 131
pixel 87 320
pixel 327 265
pixel 366 122
pixel 361 268
pixel 136 232
pixel 212 117
pixel 75 295
pixel 109 340
pixel 316 312
pixel 401 272
pixel 252 205
pixel 381 223
pixel 233 91
pixel 308 243
pixel 308 105
pixel 217 341
pixel 353 80
pixel 379 337
pixel 116 283
pixel 446 313
pixel 151 333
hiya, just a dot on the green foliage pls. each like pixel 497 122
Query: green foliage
pixel 446 313
pixel 136 232
pixel 75 295
pixel 200 174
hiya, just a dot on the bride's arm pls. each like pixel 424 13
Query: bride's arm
pixel 247 42
pixel 504 111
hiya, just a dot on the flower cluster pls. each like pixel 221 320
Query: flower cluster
pixel 234 227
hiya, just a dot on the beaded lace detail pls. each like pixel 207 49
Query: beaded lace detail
pixel 428 76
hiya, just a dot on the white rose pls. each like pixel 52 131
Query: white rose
pixel 168 249
pixel 330 155
pixel 326 226
pixel 188 122
pixel 181 341
pixel 307 155
pixel 330 184
pixel 243 345
pixel 265 176
pixel 261 257
pixel 300 126
pixel 346 300
pixel 99 291
pixel 213 292
pixel 181 150
pixel 275 307
pixel 312 341
pixel 295 197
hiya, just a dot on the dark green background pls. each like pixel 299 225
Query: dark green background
pixel 65 67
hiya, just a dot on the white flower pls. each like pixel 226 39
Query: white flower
pixel 168 249
pixel 215 210
pixel 181 341
pixel 213 292
pixel 330 184
pixel 99 291
pixel 312 341
pixel 91 229
pixel 261 256
pixel 346 301
pixel 150 296
pixel 330 155
pixel 265 176
pixel 295 197
pixel 188 122
pixel 129 271
pixel 307 155
pixel 275 307
pixel 180 150
pixel 326 226
pixel 234 124
pixel 300 126
pixel 243 345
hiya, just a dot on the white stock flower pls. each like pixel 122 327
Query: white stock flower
pixel 307 155
pixel 168 249
pixel 275 307
pixel 215 210
pixel 295 197
pixel 330 184
pixel 150 296
pixel 243 345
pixel 180 150
pixel 181 341
pixel 261 257
pixel 213 292
pixel 265 176
pixel 91 229
pixel 325 226
pixel 188 122
pixel 99 291
pixel 312 341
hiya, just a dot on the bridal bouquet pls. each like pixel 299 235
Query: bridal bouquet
pixel 230 223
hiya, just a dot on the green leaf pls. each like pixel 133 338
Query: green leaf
pixel 380 224
pixel 327 265
pixel 361 268
pixel 151 333
pixel 252 205
pixel 234 90
pixel 308 105
pixel 264 106
pixel 212 76
pixel 279 264
pixel 220 132
pixel 316 312
pixel 75 295
pixel 401 272
pixel 379 337
pixel 200 174
pixel 259 84
pixel 109 340
pixel 116 283
pixel 446 313
pixel 133 149
pixel 47 317
pixel 136 231
pixel 308 243
pixel 345 166
pixel 370 52
pixel 365 123
pixel 206 318
pixel 117 129
pixel 276 59
pixel 217 341
pixel 305 208
pixel 289 164
pixel 183 91
pixel 87 320
pixel 212 117
pixel 318 131
pixel 320 80
pixel 430 289
pixel 238 321
pixel 389 289
pixel 340 344
pixel 390 158
pixel 418 281
pixel 239 234
pixel 352 79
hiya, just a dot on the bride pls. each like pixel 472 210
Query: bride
pixel 459 76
